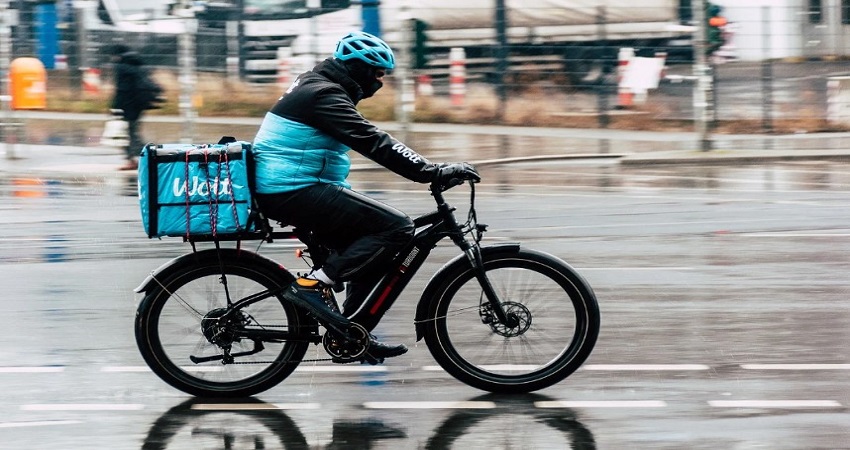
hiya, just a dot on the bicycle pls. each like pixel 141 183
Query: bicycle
pixel 501 318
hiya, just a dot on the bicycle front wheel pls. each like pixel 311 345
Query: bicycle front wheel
pixel 555 323
pixel 188 340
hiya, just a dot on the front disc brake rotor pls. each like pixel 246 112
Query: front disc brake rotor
pixel 516 313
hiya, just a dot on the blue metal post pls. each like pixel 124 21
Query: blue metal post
pixel 47 34
pixel 371 16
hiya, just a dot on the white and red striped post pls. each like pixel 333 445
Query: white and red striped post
pixel 625 96
pixel 284 57
pixel 457 75
pixel 424 87
pixel 91 80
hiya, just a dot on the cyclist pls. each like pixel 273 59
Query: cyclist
pixel 302 165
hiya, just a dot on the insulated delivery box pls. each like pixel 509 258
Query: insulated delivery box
pixel 195 190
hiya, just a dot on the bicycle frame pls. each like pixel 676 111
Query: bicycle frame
pixel 431 228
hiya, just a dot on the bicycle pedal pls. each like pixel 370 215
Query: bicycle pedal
pixel 336 360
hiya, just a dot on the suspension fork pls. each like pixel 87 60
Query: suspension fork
pixel 473 252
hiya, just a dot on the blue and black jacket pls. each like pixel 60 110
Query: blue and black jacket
pixel 305 138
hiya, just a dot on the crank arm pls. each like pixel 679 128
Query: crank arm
pixel 258 347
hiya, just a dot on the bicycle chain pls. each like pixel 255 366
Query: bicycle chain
pixel 286 362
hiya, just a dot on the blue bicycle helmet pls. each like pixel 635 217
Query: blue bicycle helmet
pixel 366 47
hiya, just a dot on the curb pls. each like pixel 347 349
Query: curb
pixel 721 157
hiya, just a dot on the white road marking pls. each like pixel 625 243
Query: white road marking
pixel 493 367
pixel 334 369
pixel 115 369
pixel 254 406
pixel 602 404
pixel 38 423
pixel 795 366
pixel 429 405
pixel 645 367
pixel 83 407
pixel 580 269
pixel 434 368
pixel 33 369
pixel 774 403
pixel 794 235
pixel 218 368
pixel 125 369
pixel 341 369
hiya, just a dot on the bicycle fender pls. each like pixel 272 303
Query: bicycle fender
pixel 458 263
pixel 188 260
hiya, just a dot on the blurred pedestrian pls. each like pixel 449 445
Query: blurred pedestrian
pixel 135 92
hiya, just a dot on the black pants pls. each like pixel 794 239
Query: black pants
pixel 364 233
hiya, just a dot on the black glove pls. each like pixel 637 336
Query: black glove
pixel 453 174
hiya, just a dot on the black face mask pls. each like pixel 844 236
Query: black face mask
pixel 365 76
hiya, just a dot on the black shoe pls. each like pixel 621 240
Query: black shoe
pixel 317 298
pixel 378 351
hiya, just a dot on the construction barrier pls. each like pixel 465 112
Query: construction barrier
pixel 639 77
pixel 457 76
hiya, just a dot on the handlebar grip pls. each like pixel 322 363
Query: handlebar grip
pixel 438 185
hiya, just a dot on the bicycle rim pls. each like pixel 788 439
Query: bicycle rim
pixel 171 330
pixel 558 325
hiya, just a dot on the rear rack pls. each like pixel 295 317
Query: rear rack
pixel 246 236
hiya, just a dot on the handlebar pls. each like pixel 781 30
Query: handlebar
pixel 437 186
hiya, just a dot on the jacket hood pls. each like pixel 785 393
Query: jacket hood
pixel 131 58
pixel 336 71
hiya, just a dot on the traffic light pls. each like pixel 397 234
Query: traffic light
pixel 420 51
pixel 714 29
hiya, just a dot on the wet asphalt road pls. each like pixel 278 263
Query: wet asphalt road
pixel 724 321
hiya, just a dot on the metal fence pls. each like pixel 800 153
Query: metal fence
pixel 780 70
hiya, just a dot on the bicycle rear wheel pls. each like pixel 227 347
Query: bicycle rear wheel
pixel 557 323
pixel 182 321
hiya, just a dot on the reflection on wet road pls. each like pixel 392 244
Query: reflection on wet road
pixel 494 423
pixel 724 321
